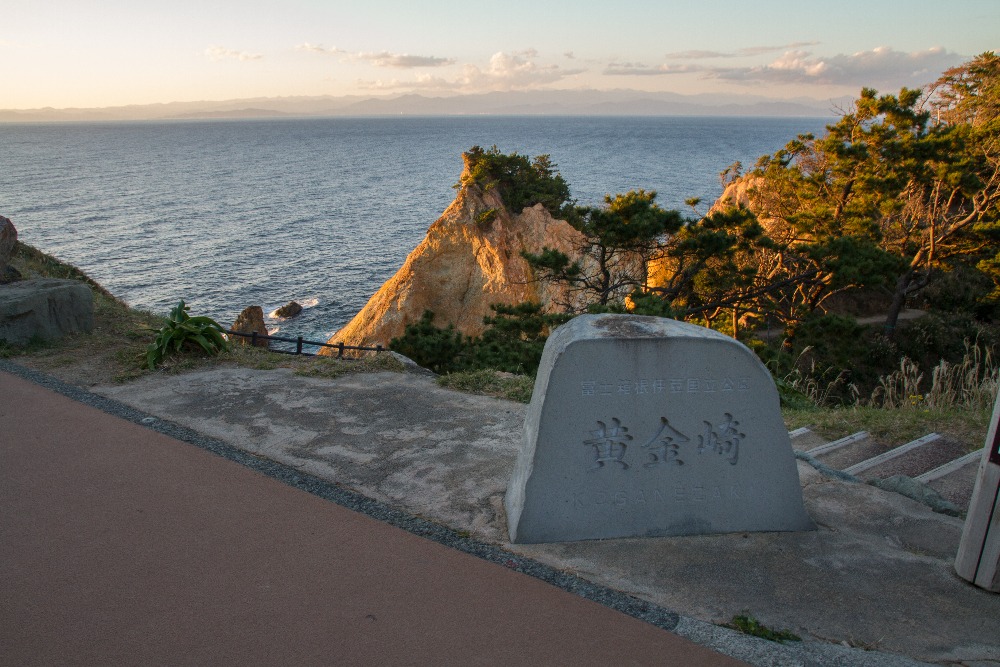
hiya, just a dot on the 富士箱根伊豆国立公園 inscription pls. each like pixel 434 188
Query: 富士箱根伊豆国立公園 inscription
pixel 651 387
pixel 646 426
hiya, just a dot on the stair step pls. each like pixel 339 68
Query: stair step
pixel 950 467
pixel 805 438
pixel 958 479
pixel 838 444
pixel 847 451
pixel 919 460
pixel 858 468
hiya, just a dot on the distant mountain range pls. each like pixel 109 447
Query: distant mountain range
pixel 528 103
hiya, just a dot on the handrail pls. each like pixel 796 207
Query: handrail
pixel 299 342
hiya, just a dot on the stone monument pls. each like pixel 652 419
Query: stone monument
pixel 644 426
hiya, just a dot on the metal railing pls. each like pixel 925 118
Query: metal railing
pixel 299 342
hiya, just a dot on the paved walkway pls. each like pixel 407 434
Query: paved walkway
pixel 120 545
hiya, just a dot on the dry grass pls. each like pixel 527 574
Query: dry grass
pixel 491 383
pixel 894 426
pixel 956 401
pixel 326 367
pixel 971 383
pixel 110 353
pixel 114 352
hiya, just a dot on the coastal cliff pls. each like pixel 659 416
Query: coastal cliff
pixel 470 259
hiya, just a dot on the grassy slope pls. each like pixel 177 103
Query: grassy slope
pixel 115 351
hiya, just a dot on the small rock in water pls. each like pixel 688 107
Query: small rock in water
pixel 291 309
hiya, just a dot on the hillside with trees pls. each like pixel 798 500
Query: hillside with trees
pixel 896 206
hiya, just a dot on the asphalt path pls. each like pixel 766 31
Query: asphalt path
pixel 122 545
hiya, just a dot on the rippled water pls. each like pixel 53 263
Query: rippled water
pixel 226 214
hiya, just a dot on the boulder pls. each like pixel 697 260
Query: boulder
pixel 8 243
pixel 44 308
pixel 470 259
pixel 290 309
pixel 251 320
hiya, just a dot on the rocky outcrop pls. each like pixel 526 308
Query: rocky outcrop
pixel 250 321
pixel 290 309
pixel 47 309
pixel 737 193
pixel 470 259
pixel 8 243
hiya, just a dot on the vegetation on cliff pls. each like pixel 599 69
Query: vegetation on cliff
pixel 611 259
pixel 520 181
pixel 512 342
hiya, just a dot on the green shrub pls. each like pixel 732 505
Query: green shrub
pixel 520 181
pixel 513 341
pixel 490 383
pixel 749 625
pixel 434 348
pixel 183 333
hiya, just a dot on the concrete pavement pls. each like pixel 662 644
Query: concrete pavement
pixel 873 586
pixel 121 545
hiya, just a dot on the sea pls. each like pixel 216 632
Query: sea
pixel 226 214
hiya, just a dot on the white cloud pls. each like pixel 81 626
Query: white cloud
pixel 761 50
pixel 402 61
pixel 422 82
pixel 506 71
pixel 879 68
pixel 320 49
pixel 379 58
pixel 696 54
pixel 639 69
pixel 221 53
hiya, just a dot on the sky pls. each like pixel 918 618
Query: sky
pixel 86 53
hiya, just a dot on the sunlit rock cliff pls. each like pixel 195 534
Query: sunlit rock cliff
pixel 470 258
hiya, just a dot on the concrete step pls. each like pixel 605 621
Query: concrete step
pixel 885 457
pixel 847 451
pixel 804 439
pixel 918 460
pixel 939 462
pixel 956 479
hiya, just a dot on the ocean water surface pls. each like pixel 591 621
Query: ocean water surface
pixel 227 214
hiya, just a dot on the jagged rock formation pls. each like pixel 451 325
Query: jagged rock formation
pixel 737 193
pixel 8 242
pixel 470 259
pixel 250 321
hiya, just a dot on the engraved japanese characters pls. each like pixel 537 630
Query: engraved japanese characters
pixel 643 426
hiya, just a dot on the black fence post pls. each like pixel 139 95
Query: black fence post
pixel 298 346
pixel 340 350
